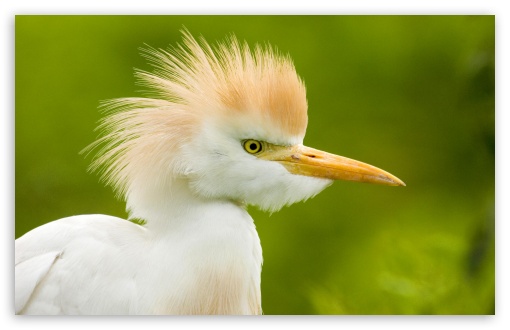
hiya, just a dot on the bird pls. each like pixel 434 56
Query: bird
pixel 220 127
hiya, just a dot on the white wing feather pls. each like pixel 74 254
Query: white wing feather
pixel 72 265
pixel 28 274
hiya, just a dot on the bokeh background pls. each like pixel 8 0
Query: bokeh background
pixel 413 95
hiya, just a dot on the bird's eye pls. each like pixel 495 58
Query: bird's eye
pixel 252 146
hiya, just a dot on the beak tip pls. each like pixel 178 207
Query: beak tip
pixel 400 182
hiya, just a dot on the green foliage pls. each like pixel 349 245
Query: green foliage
pixel 413 95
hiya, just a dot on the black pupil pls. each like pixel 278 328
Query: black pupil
pixel 253 146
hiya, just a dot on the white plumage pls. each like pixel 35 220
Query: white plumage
pixel 224 128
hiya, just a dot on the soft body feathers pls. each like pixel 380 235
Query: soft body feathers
pixel 97 264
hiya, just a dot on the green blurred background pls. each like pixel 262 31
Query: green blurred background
pixel 413 95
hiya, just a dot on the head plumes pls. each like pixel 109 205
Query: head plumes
pixel 193 84
pixel 229 80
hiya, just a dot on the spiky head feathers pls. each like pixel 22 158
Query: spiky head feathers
pixel 193 87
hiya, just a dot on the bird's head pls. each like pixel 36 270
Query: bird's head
pixel 228 121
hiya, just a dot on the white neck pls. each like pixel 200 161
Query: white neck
pixel 166 207
pixel 219 242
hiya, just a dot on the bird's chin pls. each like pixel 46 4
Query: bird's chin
pixel 298 189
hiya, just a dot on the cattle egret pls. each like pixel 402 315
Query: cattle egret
pixel 222 128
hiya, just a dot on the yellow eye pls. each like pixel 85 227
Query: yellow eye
pixel 252 146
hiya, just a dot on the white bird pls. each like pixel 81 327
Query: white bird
pixel 223 128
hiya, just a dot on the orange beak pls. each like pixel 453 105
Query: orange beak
pixel 312 162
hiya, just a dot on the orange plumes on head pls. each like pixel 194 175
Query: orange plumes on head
pixel 189 84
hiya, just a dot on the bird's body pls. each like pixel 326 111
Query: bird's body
pixel 92 264
pixel 225 129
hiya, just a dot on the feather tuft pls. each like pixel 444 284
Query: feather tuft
pixel 189 84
